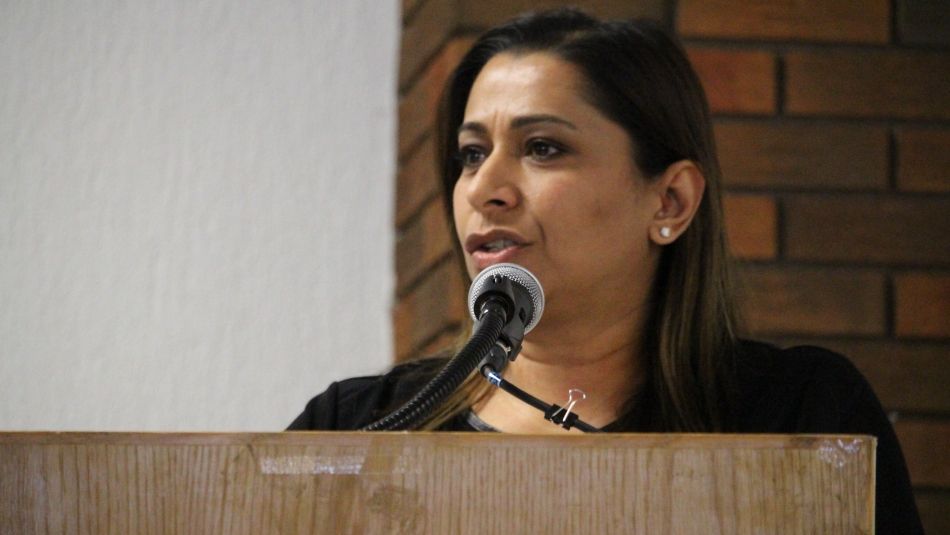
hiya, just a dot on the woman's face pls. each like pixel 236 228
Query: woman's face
pixel 550 183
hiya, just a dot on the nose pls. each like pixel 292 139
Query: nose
pixel 494 186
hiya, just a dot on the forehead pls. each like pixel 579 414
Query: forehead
pixel 526 83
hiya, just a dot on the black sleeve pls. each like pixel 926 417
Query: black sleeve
pixel 353 403
pixel 345 406
pixel 896 510
pixel 320 413
pixel 838 399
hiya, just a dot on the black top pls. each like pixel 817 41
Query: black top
pixel 806 390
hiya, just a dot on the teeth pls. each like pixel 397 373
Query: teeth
pixel 498 245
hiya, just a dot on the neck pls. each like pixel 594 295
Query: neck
pixel 604 362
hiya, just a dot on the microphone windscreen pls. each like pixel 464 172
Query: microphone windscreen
pixel 518 275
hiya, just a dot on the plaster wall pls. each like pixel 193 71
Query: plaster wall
pixel 195 209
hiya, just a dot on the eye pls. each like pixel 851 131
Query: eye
pixel 542 149
pixel 471 156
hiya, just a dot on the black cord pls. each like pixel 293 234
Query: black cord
pixel 550 411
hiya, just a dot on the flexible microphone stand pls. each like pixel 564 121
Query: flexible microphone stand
pixel 509 301
pixel 483 350
pixel 491 321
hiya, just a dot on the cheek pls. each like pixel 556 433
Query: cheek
pixel 459 208
pixel 552 197
pixel 573 206
pixel 594 219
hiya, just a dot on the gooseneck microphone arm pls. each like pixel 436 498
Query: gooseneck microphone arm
pixel 506 302
pixel 492 319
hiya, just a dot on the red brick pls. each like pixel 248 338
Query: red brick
pixel 416 117
pixel 923 22
pixel 408 9
pixel 802 156
pixel 906 375
pixel 417 182
pixel 434 305
pixel 923 160
pixel 751 225
pixel 484 13
pixel 921 441
pixel 424 242
pixel 868 83
pixel 868 228
pixel 417 107
pixel 934 507
pixel 426 31
pixel 815 20
pixel 736 81
pixel 402 329
pixel 813 301
pixel 922 306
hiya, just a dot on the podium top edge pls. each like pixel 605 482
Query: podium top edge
pixel 356 438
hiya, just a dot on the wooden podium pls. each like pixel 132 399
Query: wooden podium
pixel 440 483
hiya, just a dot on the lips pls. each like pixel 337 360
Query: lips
pixel 494 247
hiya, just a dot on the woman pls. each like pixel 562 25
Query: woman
pixel 583 151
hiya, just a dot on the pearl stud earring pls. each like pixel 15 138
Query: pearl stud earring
pixel 666 232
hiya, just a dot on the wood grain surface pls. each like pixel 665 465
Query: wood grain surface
pixel 440 483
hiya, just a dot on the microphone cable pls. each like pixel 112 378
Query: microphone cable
pixel 551 412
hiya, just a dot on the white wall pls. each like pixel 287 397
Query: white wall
pixel 195 208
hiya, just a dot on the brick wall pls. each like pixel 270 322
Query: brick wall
pixel 833 124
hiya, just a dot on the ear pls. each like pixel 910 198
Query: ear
pixel 680 190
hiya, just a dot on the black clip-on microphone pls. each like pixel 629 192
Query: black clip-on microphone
pixel 522 292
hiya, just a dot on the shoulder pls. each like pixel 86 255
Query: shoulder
pixel 357 401
pixel 808 389
pixel 400 377
pixel 801 389
pixel 804 364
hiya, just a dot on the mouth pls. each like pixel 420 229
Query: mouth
pixel 497 245
pixel 494 247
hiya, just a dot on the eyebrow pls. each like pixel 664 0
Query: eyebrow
pixel 520 122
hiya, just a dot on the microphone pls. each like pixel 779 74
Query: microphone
pixel 513 295
pixel 519 293
pixel 506 301
pixel 518 289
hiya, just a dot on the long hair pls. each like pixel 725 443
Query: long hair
pixel 637 76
